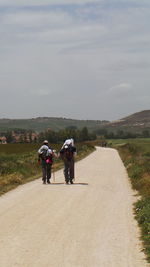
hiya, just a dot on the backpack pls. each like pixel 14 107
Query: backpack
pixel 49 157
pixel 43 153
pixel 68 152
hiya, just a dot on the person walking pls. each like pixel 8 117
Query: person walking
pixel 67 154
pixel 45 158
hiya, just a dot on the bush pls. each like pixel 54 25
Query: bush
pixel 142 209
pixel 135 171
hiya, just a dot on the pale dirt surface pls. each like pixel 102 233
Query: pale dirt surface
pixel 88 224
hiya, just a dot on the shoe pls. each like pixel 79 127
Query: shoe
pixel 48 182
pixel 44 182
pixel 67 182
pixel 71 182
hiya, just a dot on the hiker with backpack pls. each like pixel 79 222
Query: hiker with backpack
pixel 67 154
pixel 45 158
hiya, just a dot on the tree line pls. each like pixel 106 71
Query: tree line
pixel 120 134
pixel 79 135
pixel 70 132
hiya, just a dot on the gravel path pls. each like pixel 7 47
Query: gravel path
pixel 87 224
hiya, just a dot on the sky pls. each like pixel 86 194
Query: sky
pixel 76 59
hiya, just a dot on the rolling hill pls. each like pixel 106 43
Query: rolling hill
pixel 139 119
pixel 42 123
pixel 135 123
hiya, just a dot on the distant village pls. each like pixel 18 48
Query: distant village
pixel 18 137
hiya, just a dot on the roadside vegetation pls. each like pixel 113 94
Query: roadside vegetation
pixel 135 154
pixel 19 163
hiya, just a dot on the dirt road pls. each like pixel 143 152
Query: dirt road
pixel 88 224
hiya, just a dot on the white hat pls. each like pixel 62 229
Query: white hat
pixel 45 142
pixel 69 142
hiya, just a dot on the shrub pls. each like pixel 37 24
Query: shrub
pixel 142 208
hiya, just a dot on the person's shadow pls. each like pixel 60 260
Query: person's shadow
pixel 80 183
pixel 55 183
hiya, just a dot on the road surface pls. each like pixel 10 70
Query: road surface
pixel 87 224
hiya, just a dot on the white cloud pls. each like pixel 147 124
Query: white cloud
pixel 37 19
pixel 122 86
pixel 121 90
pixel 69 2
pixel 41 92
pixel 43 2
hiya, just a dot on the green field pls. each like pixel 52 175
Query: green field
pixel 135 154
pixel 19 163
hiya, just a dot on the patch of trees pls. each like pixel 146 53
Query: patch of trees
pixel 70 132
pixel 121 134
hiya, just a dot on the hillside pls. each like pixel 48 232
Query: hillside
pixel 138 120
pixel 135 123
pixel 143 116
pixel 42 123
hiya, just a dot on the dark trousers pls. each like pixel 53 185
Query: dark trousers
pixel 46 171
pixel 69 170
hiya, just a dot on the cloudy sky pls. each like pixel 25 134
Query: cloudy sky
pixel 77 59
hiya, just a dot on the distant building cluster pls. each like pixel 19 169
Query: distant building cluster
pixel 18 137
pixel 3 140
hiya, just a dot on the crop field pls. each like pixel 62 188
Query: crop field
pixel 19 163
pixel 135 154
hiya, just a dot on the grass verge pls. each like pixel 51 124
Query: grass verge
pixel 136 157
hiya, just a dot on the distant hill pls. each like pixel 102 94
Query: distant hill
pixel 42 123
pixel 139 119
pixel 135 123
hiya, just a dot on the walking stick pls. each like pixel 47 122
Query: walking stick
pixel 53 166
pixel 74 170
pixel 53 171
